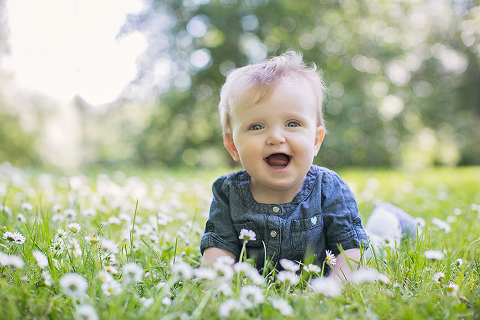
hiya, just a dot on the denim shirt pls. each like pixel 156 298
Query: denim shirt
pixel 323 215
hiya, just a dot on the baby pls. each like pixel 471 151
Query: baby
pixel 271 115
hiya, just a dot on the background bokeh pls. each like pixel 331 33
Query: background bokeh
pixel 403 79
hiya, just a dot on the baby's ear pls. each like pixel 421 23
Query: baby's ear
pixel 230 145
pixel 319 135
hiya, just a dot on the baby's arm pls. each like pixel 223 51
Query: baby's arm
pixel 341 271
pixel 211 254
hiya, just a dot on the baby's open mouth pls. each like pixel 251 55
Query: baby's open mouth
pixel 278 160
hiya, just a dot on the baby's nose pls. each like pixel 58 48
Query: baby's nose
pixel 275 137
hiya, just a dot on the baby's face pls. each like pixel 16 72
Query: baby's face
pixel 276 140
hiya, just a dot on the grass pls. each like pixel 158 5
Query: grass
pixel 156 218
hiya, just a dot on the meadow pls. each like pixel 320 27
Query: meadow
pixel 125 245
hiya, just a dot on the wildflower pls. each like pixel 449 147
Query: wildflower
pixel 89 212
pixel 86 312
pixel 242 267
pixel 133 272
pixel 74 227
pixel 111 269
pixel 58 246
pixel 75 246
pixel 250 296
pixel 62 233
pixel 70 214
pixel 111 288
pixel 438 277
pixel 434 255
pixel 330 258
pixel 167 301
pixel 420 222
pixel 40 258
pixel 108 246
pixel 312 269
pixel 288 277
pixel 21 218
pixel 226 260
pixel 459 262
pixel 289 265
pixel 256 277
pixel 57 208
pixel 104 276
pixel 147 302
pixel 283 306
pixel 73 285
pixel 92 239
pixel 224 271
pixel 26 206
pixel 227 307
pixel 452 289
pixel 247 235
pixel 12 261
pixel 47 278
pixel 445 226
pixel 362 276
pixel 15 237
pixel 57 217
pixel 182 270
pixel 225 289
pixel 205 273
pixel 326 286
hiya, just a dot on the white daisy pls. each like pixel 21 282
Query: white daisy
pixel 62 233
pixel 205 273
pixel 256 277
pixel 250 296
pixel 166 301
pixel 438 277
pixel 70 214
pixel 312 269
pixel 75 247
pixel 104 276
pixel 89 212
pixel 364 275
pixel 73 285
pixel 182 270
pixel 459 262
pixel 227 307
pixel 225 289
pixel 111 288
pixel 86 312
pixel 12 261
pixel 111 269
pixel 326 286
pixel 57 208
pixel 47 278
pixel 74 227
pixel 434 255
pixel 452 289
pixel 21 218
pixel 147 302
pixel 247 235
pixel 15 237
pixel 283 306
pixel 108 246
pixel 224 271
pixel 132 272
pixel 41 259
pixel 330 258
pixel 288 277
pixel 289 265
pixel 445 226
pixel 26 206
pixel 92 239
pixel 242 267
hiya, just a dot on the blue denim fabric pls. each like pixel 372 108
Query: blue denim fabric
pixel 322 215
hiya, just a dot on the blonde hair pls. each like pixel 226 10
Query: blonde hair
pixel 249 85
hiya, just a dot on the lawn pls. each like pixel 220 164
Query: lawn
pixel 125 245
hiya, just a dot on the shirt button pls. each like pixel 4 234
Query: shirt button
pixel 275 209
pixel 273 233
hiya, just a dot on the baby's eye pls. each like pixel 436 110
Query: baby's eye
pixel 256 127
pixel 292 124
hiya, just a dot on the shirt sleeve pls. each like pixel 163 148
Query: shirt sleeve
pixel 342 220
pixel 219 229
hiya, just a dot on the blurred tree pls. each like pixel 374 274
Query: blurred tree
pixel 403 76
pixel 16 146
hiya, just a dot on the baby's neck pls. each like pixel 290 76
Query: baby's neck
pixel 263 194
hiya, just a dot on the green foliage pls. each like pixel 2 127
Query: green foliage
pixel 156 220
pixel 17 146
pixel 403 76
